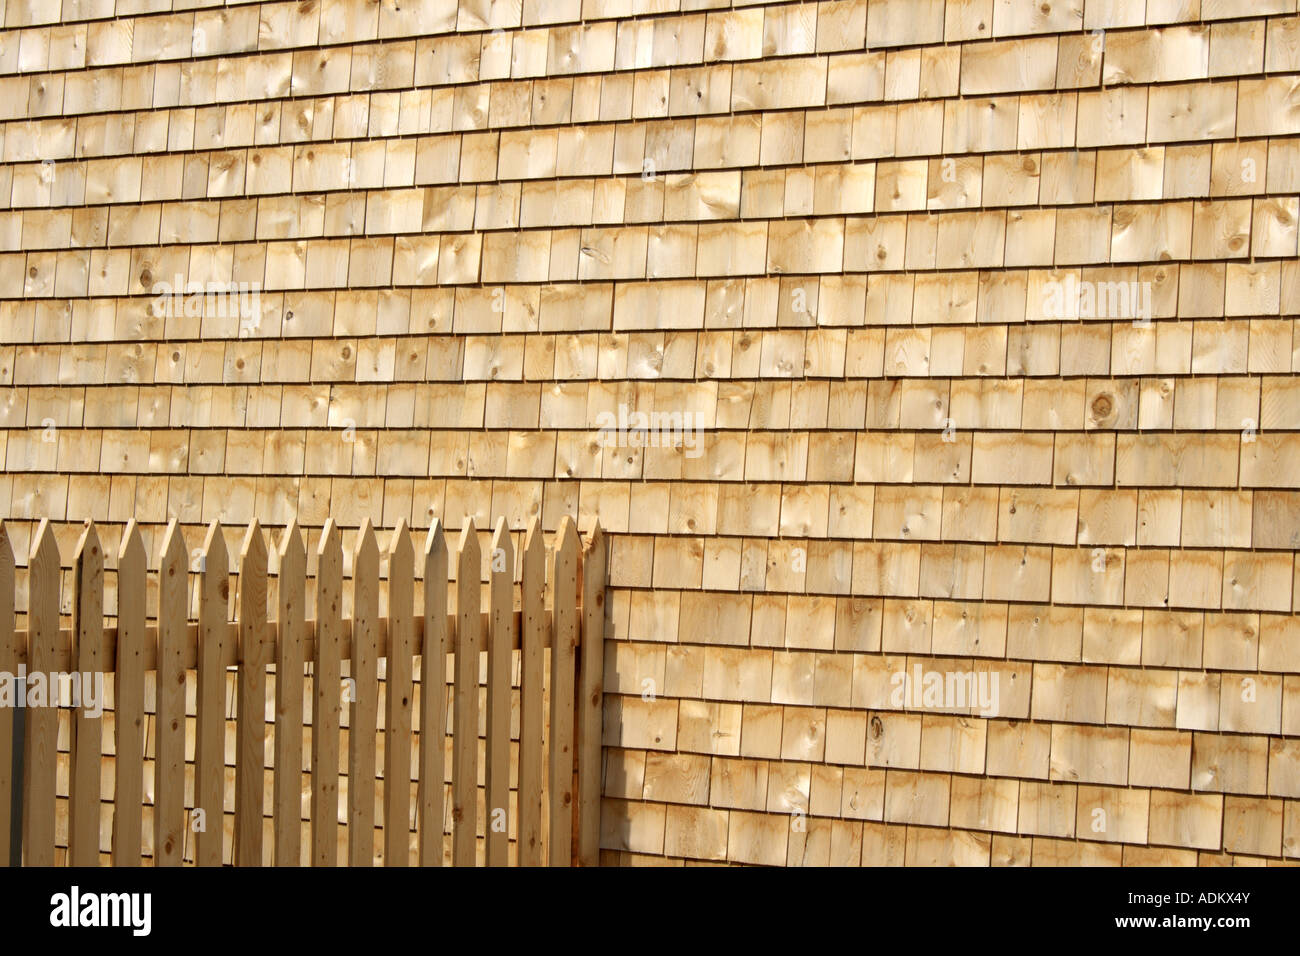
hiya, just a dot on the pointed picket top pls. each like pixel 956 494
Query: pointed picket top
pixel 400 547
pixel 215 554
pixel 293 554
pixel 433 541
pixel 435 560
pixel 468 554
pixel 45 549
pixel 88 547
pixel 566 539
pixel 291 584
pixel 533 537
pixel 172 555
pixel 594 537
pixel 501 543
pixel 292 540
pixel 253 548
pixel 367 546
pixel 6 544
pixel 330 537
pixel 132 546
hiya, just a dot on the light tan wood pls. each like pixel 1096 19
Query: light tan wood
pixel 464 774
pixel 128 699
pixel 169 817
pixel 399 692
pixel 531 673
pixel 291 607
pixel 8 665
pixel 210 707
pixel 363 711
pixel 500 640
pixel 590 701
pixel 326 700
pixel 86 741
pixel 564 610
pixel 39 746
pixel 433 700
pixel 250 754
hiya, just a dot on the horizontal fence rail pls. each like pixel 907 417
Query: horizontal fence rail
pixel 279 738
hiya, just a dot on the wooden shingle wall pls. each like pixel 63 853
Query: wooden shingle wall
pixel 985 310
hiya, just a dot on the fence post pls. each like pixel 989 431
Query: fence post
pixel 250 739
pixel 433 698
pixel 590 697
pixel 85 741
pixel 464 759
pixel 40 751
pixel 327 698
pixel 169 709
pixel 499 647
pixel 564 639
pixel 531 658
pixel 11 718
pixel 291 618
pixel 128 699
pixel 363 716
pixel 210 722
pixel 398 691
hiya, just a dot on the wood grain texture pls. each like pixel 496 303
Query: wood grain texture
pixel 9 813
pixel 129 698
pixel 531 676
pixel 983 315
pixel 170 819
pixel 500 641
pixel 399 691
pixel 560 747
pixel 40 745
pixel 86 741
pixel 250 703
pixel 327 699
pixel 291 611
pixel 465 703
pixel 433 700
pixel 363 709
pixel 213 567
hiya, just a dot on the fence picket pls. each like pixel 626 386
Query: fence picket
pixel 501 640
pixel 86 740
pixel 590 698
pixel 210 729
pixel 364 712
pixel 128 699
pixel 327 697
pixel 40 757
pixel 8 665
pixel 564 587
pixel 250 746
pixel 464 755
pixel 398 689
pixel 169 706
pixel 433 698
pixel 291 612
pixel 531 655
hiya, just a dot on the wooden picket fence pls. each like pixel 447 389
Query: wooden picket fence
pixel 559 755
